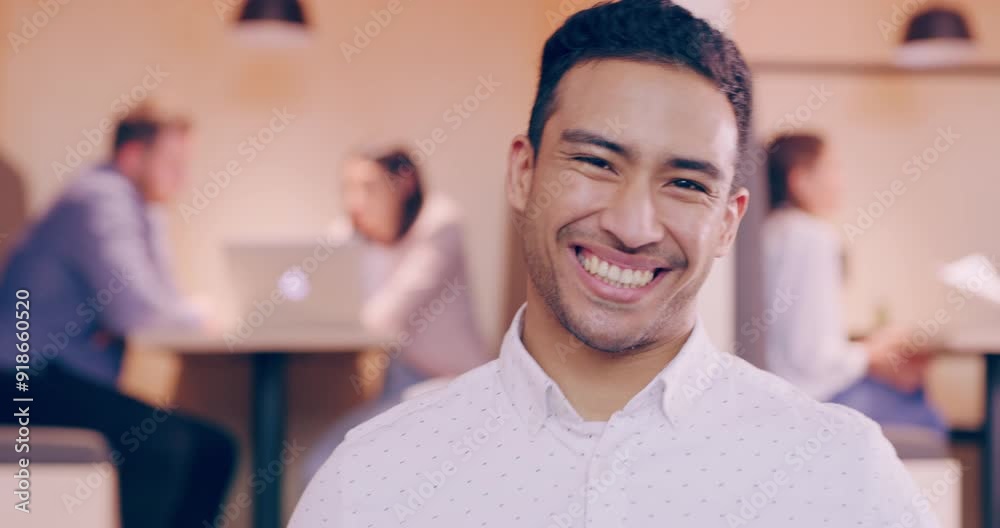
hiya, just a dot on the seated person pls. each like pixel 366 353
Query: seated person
pixel 96 269
pixel 414 279
pixel 808 343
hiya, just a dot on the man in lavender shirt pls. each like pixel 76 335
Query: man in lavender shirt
pixel 95 268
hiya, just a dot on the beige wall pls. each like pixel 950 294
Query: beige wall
pixel 850 30
pixel 878 123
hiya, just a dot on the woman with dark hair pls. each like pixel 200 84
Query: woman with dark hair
pixel 414 278
pixel 808 342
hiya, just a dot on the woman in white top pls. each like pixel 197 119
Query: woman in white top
pixel 414 279
pixel 808 343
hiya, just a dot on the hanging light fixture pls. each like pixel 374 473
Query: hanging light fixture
pixel 936 37
pixel 273 24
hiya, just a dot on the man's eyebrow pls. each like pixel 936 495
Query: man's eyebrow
pixel 705 167
pixel 579 135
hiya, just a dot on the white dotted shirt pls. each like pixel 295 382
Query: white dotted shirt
pixel 710 442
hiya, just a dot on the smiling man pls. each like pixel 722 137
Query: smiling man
pixel 608 405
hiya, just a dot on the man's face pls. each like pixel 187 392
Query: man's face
pixel 629 202
pixel 164 165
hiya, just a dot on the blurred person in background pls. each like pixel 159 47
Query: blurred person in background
pixel 96 267
pixel 808 343
pixel 414 280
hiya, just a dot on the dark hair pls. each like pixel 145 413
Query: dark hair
pixel 145 124
pixel 398 162
pixel 656 31
pixel 786 153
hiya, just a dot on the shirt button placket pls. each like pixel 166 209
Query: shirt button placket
pixel 606 472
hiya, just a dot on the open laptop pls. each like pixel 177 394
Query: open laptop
pixel 295 283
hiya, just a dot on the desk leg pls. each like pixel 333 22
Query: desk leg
pixel 268 434
pixel 991 438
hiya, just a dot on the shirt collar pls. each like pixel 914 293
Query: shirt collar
pixel 536 397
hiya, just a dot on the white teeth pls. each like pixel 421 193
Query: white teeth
pixel 613 275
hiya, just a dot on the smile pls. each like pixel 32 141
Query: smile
pixel 613 274
pixel 616 276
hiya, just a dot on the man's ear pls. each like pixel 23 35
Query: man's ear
pixel 736 207
pixel 520 172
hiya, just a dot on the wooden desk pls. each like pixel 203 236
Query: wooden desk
pixel 985 343
pixel 268 349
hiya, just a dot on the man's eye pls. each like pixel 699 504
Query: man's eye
pixel 595 161
pixel 689 184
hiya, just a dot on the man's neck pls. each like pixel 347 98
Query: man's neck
pixel 596 383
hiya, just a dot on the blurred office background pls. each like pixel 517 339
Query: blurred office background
pixel 62 82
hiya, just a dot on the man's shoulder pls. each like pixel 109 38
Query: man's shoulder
pixel 770 395
pixel 100 200
pixel 799 431
pixel 435 410
pixel 94 194
pixel 818 446
pixel 97 182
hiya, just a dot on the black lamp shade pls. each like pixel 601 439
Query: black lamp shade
pixel 937 37
pixel 938 23
pixel 288 11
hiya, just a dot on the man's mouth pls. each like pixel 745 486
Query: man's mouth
pixel 621 273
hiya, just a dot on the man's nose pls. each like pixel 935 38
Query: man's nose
pixel 631 216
